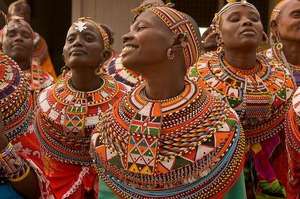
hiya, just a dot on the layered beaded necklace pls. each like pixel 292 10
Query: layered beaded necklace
pixel 261 96
pixel 67 117
pixel 15 99
pixel 148 146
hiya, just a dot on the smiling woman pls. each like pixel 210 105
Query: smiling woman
pixel 258 88
pixel 69 110
pixel 167 138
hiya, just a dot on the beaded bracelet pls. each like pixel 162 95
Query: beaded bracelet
pixel 13 167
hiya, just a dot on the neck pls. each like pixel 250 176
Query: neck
pixel 241 59
pixel 164 86
pixel 24 64
pixel 85 81
pixel 291 51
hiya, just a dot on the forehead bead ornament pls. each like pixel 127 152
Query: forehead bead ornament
pixel 80 26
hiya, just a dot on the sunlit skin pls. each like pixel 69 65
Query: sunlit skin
pixel 18 44
pixel 242 32
pixel 83 54
pixel 287 27
pixel 145 52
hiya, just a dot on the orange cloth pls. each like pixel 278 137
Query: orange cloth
pixel 41 55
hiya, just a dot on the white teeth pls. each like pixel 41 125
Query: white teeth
pixel 127 48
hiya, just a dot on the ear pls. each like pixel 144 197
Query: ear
pixel 106 55
pixel 274 25
pixel 180 40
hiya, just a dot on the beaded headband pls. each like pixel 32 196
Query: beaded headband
pixel 276 11
pixel 177 22
pixel 80 25
pixel 230 5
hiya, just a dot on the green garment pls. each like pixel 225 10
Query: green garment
pixel 237 191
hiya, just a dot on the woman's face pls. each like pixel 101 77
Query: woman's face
pixel 289 21
pixel 83 46
pixel 17 41
pixel 241 27
pixel 146 43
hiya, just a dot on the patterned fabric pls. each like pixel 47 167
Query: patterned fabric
pixel 293 148
pixel 63 124
pixel 41 55
pixel 38 80
pixel 261 97
pixel 189 146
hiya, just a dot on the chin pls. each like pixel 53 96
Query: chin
pixel 129 64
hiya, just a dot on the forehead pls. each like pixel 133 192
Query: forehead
pixel 150 18
pixel 240 9
pixel 82 28
pixel 17 26
pixel 290 6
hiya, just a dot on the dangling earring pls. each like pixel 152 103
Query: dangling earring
pixel 65 69
pixel 219 43
pixel 170 54
pixel 275 41
pixel 279 46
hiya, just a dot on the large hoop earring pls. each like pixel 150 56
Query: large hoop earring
pixel 279 46
pixel 220 49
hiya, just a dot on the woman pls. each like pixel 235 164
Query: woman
pixel 68 111
pixel 167 138
pixel 285 37
pixel 15 138
pixel 259 89
pixel 41 57
pixel 17 42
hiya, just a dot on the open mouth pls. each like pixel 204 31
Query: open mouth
pixel 128 48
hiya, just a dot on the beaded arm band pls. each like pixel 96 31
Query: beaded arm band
pixel 12 166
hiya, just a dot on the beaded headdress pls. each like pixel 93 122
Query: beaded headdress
pixel 178 22
pixel 276 11
pixel 230 5
pixel 80 25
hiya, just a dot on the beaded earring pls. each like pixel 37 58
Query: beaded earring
pixel 170 54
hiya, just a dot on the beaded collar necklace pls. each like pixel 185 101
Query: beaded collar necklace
pixel 239 73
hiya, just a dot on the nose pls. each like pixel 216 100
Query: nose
pixel 78 41
pixel 19 37
pixel 127 37
pixel 247 22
